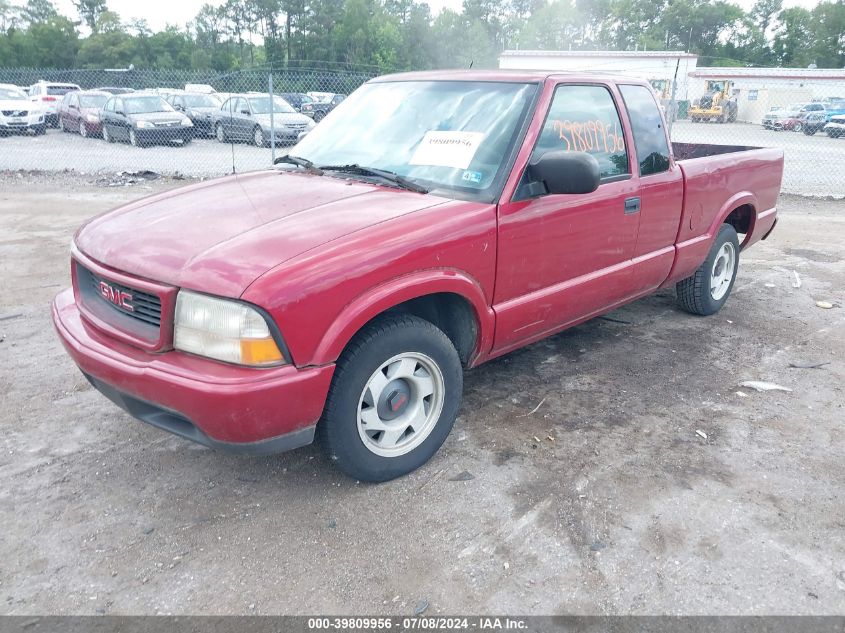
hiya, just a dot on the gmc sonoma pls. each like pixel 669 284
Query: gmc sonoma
pixel 432 222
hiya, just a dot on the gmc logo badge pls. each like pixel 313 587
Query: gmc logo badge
pixel 120 298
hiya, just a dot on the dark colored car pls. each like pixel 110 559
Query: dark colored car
pixel 811 122
pixel 115 90
pixel 296 99
pixel 198 107
pixel 81 111
pixel 317 110
pixel 144 118
pixel 246 117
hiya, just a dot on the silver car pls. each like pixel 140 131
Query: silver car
pixel 246 117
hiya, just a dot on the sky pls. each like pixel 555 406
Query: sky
pixel 159 13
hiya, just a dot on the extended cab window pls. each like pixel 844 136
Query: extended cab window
pixel 584 119
pixel 647 124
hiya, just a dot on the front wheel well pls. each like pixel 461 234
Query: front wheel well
pixel 449 312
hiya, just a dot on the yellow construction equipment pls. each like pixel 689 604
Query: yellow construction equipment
pixel 716 104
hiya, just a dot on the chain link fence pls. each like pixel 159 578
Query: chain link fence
pixel 794 113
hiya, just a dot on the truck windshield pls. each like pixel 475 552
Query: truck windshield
pixel 453 135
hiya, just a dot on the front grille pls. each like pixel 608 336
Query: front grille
pixel 145 307
pixel 15 112
pixel 168 124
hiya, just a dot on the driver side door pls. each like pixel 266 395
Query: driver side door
pixel 564 258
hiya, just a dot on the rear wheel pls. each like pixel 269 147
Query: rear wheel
pixel 798 127
pixel 393 400
pixel 706 291
pixel 809 130
pixel 319 115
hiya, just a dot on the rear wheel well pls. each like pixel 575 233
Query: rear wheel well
pixel 741 219
pixel 449 312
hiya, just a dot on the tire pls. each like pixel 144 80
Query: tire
pixel 361 429
pixel 319 115
pixel 798 127
pixel 696 294
pixel 809 130
pixel 258 137
pixel 107 137
pixel 83 130
pixel 134 141
pixel 62 125
pixel 220 133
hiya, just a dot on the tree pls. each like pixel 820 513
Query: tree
pixel 90 11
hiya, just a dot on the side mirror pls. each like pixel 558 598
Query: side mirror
pixel 302 135
pixel 246 112
pixel 120 112
pixel 178 107
pixel 566 172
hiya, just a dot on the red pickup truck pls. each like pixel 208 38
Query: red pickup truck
pixel 431 222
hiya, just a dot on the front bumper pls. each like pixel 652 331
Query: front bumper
pixel 23 124
pixel 284 135
pixel 227 407
pixel 165 134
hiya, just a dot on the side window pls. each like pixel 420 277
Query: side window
pixel 585 119
pixel 109 107
pixel 649 135
pixel 118 106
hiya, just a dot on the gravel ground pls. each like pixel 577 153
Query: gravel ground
pixel 806 169
pixel 612 469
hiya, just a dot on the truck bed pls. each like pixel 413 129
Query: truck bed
pixel 687 151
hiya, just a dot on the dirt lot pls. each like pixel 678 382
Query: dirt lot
pixel 593 488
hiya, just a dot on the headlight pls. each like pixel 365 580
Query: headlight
pixel 187 122
pixel 310 124
pixel 92 118
pixel 143 124
pixel 224 330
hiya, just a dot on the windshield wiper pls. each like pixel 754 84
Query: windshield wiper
pixel 299 162
pixel 389 176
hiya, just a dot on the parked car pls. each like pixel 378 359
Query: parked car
pixel 246 117
pixel 81 112
pixel 836 127
pixel 142 119
pixel 447 218
pixel 296 99
pixel 199 107
pixel 777 118
pixel 812 122
pixel 18 113
pixel 115 90
pixel 200 88
pixel 317 110
pixel 48 94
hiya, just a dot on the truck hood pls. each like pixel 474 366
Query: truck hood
pixel 219 236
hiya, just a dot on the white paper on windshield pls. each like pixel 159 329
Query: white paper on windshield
pixel 447 149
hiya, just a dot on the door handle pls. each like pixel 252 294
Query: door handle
pixel 632 205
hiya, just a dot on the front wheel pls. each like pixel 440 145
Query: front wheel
pixel 393 400
pixel 83 130
pixel 706 291
pixel 220 133
pixel 258 137
pixel 133 138
pixel 107 137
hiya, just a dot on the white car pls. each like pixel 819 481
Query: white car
pixel 836 127
pixel 48 94
pixel 18 113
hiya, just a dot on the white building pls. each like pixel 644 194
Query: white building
pixel 655 66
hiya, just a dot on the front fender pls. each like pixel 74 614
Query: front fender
pixel 390 294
